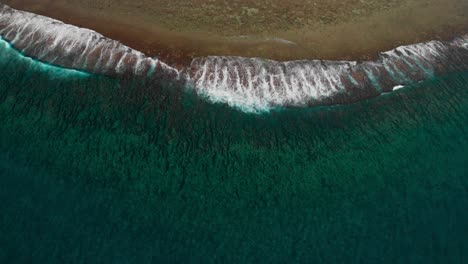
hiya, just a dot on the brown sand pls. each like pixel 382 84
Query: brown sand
pixel 178 30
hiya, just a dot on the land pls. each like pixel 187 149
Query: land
pixel 178 30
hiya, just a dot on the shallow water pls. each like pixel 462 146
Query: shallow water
pixel 179 30
pixel 251 84
pixel 95 169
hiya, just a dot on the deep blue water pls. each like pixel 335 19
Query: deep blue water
pixel 96 170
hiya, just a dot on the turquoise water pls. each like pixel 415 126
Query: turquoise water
pixel 96 170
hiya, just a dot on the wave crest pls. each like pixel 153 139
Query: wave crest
pixel 252 84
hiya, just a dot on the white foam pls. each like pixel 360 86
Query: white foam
pixel 251 84
pixel 264 83
pixel 398 87
pixel 67 41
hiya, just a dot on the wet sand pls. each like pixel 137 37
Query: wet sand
pixel 177 31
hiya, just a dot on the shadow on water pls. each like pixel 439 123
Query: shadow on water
pixel 100 170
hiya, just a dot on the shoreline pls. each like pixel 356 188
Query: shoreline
pixel 250 84
pixel 338 41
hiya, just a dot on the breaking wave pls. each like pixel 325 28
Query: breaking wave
pixel 251 84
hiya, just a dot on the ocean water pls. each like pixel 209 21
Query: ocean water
pixel 123 170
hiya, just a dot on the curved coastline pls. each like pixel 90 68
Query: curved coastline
pixel 252 84
pixel 176 31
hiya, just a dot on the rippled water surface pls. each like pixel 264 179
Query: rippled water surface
pixel 99 170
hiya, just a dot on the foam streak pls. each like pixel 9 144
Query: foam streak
pixel 252 84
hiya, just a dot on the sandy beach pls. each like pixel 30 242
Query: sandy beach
pixel 178 31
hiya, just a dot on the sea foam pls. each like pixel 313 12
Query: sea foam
pixel 251 84
pixel 69 46
pixel 261 84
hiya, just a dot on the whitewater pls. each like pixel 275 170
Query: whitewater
pixel 250 84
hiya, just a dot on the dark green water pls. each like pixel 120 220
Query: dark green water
pixel 94 170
